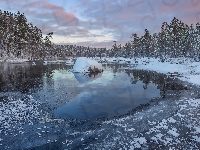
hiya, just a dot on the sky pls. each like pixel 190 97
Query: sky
pixel 97 23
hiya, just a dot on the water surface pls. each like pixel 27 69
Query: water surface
pixel 77 95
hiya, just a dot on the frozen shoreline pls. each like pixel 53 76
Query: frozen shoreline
pixel 14 60
pixel 188 69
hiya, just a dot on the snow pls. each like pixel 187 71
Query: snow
pixel 197 130
pixel 111 60
pixel 162 124
pixel 16 111
pixel 141 140
pixel 69 62
pixel 81 78
pixel 121 60
pixel 138 142
pixel 14 60
pixel 130 130
pixel 82 64
pixel 157 136
pixel 194 79
pixel 197 70
pixel 182 132
pixel 45 63
pixel 172 120
pixel 196 138
pixel 173 132
pixel 188 69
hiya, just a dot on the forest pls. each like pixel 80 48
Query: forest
pixel 176 39
pixel 20 39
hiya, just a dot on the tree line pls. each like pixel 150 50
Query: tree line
pixel 175 39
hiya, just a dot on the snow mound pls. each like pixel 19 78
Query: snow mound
pixel 121 60
pixel 197 70
pixel 195 79
pixel 82 64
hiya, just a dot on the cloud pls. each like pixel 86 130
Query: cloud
pixel 48 28
pixel 33 4
pixel 54 7
pixel 64 18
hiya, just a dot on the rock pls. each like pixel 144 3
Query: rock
pixel 95 70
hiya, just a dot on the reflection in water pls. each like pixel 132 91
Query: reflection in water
pixel 86 77
pixel 25 77
pixel 111 93
pixel 16 77
pixel 113 100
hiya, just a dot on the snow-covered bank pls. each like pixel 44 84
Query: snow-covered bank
pixel 195 79
pixel 187 68
pixel 189 71
pixel 16 60
pixel 83 64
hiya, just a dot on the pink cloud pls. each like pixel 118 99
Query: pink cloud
pixel 51 12
pixel 48 28
pixel 52 6
pixel 34 4
pixel 65 18
pixel 83 31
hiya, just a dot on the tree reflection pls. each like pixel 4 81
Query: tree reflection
pixel 25 77
pixel 163 82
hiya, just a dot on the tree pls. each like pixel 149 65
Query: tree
pixel 47 39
